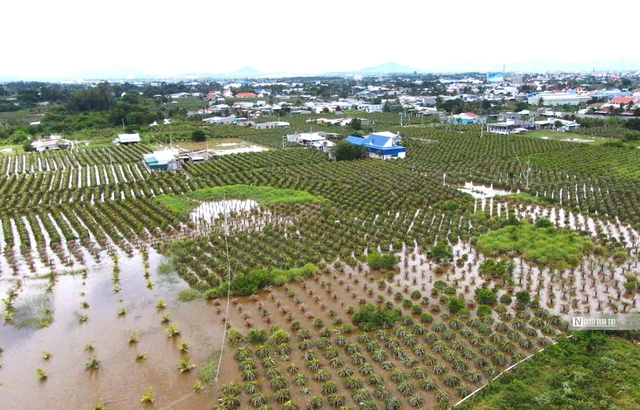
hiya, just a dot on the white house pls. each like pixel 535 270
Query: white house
pixel 53 142
pixel 126 139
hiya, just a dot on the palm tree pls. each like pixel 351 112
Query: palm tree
pixel 438 346
pixel 440 369
pixel 263 351
pixel 463 391
pixel 427 384
pixel 336 400
pixel 352 382
pixel 415 400
pixel 381 393
pixel 398 376
pixel 314 402
pixel 252 387
pixel 375 380
pixel 498 358
pixel 232 389
pixel 387 365
pixel 258 399
pixel 249 374
pixel 329 387
pixel 282 395
pixel 405 388
pixel 278 383
pixel 392 403
pixel 472 376
pixel 366 369
pixel 451 380
pixel 289 405
pixel 345 372
pixel 336 362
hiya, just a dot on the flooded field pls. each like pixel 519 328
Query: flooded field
pixel 106 301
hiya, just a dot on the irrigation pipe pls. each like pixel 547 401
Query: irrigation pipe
pixel 224 333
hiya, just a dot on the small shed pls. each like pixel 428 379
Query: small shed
pixel 126 139
pixel 161 161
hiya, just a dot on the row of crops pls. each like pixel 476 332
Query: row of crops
pixel 70 159
pixel 399 196
pixel 420 361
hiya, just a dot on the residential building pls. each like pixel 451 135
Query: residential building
pixel 380 145
pixel 271 124
pixel 52 142
pixel 127 139
pixel 506 128
pixel 161 161
pixel 246 94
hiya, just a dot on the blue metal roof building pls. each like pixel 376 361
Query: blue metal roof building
pixel 379 145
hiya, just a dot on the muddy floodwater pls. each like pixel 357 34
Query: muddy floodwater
pixel 120 380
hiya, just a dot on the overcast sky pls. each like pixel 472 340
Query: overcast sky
pixel 52 38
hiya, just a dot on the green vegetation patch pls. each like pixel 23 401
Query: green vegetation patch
pixel 208 371
pixel 264 195
pixel 181 205
pixel 251 282
pixel 544 245
pixel 189 294
pixel 590 371
pixel 526 198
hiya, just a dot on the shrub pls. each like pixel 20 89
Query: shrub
pixel 257 336
pixel 441 252
pixel 454 304
pixel 376 260
pixel 506 299
pixel 188 294
pixel 523 297
pixel 373 317
pixel 426 317
pixel 484 310
pixel 485 296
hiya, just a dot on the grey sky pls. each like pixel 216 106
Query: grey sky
pixel 47 38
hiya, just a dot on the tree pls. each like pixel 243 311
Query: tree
pixel 356 124
pixel 441 251
pixel 455 304
pixel 523 297
pixel 198 136
pixel 346 151
pixel 485 296
pixel 377 260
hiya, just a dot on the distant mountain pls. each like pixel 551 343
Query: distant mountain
pixel 387 68
pixel 246 71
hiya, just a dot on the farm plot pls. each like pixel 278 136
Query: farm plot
pixel 441 320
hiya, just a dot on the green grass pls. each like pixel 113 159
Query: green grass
pixel 208 371
pixel 590 371
pixel 264 195
pixel 188 294
pixel 179 204
pixel 525 197
pixel 549 246
pixel 562 136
